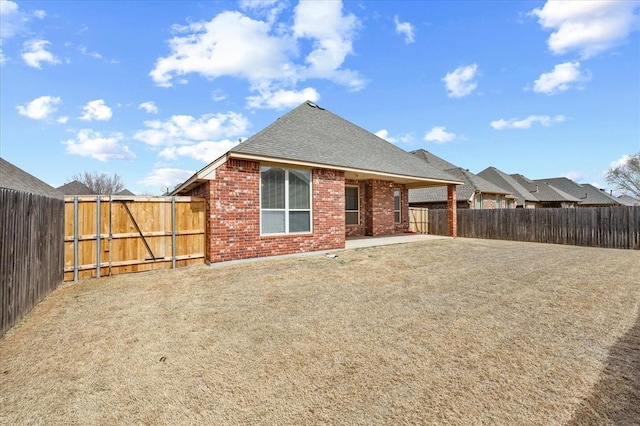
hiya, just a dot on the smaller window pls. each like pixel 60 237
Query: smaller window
pixel 396 206
pixel 352 205
pixel 498 201
pixel 479 201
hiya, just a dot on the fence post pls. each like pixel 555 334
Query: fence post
pixel 98 214
pixel 75 238
pixel 173 232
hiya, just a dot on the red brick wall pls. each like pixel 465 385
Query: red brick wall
pixel 234 217
pixel 378 212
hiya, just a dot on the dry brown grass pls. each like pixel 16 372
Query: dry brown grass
pixel 446 331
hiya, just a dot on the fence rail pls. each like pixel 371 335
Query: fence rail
pixel 31 252
pixel 606 227
pixel 109 235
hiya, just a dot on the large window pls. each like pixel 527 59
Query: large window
pixel 285 200
pixel 352 205
pixel 397 216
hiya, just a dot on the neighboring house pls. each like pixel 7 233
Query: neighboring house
pixel 75 187
pixel 589 195
pixel 306 182
pixel 524 198
pixel 474 193
pixel 626 200
pixel 548 195
pixel 126 192
pixel 12 177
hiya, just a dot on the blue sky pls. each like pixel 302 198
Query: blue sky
pixel 153 91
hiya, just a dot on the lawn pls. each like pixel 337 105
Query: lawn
pixel 453 331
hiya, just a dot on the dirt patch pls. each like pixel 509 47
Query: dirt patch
pixel 456 331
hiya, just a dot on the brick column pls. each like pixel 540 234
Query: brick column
pixel 452 216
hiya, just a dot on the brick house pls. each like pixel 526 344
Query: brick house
pixel 474 193
pixel 305 183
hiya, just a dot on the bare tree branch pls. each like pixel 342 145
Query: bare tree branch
pixel 101 183
pixel 626 177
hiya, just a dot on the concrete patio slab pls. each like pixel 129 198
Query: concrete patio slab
pixel 361 242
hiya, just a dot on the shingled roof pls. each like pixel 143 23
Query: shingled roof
pixel 507 182
pixel 588 194
pixel 313 134
pixel 12 177
pixel 471 183
pixel 75 188
pixel 544 191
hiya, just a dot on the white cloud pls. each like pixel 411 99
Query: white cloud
pixel 560 79
pixel 588 27
pixel 96 110
pixel 83 49
pixel 282 99
pixel 40 14
pixel 12 20
pixel 218 95
pixel 166 178
pixel 186 130
pixel 439 134
pixel 406 29
pixel 331 33
pixel 63 119
pixel 35 53
pixel 620 162
pixel 206 151
pixel 149 107
pixel 460 82
pixel 526 123
pixel 40 108
pixel 384 134
pixel 89 143
pixel 269 55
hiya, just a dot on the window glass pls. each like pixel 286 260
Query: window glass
pixel 273 182
pixel 273 222
pixel 300 221
pixel 351 198
pixel 396 205
pixel 299 184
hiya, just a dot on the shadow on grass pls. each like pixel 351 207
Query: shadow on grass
pixel 615 399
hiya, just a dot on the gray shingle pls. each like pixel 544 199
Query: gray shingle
pixel 12 177
pixel 312 134
pixel 75 188
pixel 507 182
pixel 471 184
pixel 588 194
pixel 544 191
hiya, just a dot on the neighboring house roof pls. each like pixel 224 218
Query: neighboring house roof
pixel 471 185
pixel 12 177
pixel 628 201
pixel 588 194
pixel 544 191
pixel 313 136
pixel 75 188
pixel 510 184
pixel 125 192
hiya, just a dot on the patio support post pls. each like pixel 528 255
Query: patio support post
pixel 452 216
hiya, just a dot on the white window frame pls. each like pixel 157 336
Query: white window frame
pixel 399 191
pixel 286 208
pixel 478 200
pixel 357 187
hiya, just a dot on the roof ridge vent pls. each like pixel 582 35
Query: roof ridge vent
pixel 314 105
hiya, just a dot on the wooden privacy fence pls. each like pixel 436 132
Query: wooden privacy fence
pixel 418 220
pixel 31 252
pixel 109 235
pixel 606 227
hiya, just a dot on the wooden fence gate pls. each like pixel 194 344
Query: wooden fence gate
pixel 109 235
pixel 419 220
